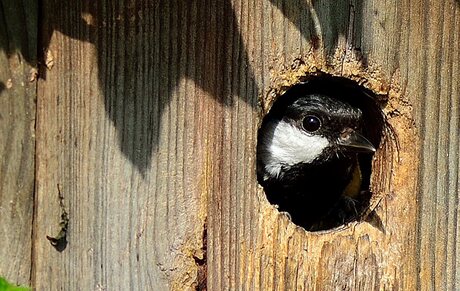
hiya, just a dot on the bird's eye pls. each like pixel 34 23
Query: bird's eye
pixel 311 123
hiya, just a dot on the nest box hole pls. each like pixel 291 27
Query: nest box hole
pixel 315 148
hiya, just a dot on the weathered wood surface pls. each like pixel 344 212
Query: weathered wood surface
pixel 18 46
pixel 128 138
pixel 147 115
pixel 436 55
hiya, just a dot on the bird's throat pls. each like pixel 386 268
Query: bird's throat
pixel 307 191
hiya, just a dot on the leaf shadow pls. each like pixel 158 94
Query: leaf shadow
pixel 145 48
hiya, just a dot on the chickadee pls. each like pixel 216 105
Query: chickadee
pixel 307 155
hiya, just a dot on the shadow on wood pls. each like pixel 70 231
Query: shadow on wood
pixel 120 34
pixel 121 37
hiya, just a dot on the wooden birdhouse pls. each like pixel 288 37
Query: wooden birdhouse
pixel 128 142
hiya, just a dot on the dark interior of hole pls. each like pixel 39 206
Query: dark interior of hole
pixel 314 211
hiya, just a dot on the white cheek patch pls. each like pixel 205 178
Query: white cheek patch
pixel 291 145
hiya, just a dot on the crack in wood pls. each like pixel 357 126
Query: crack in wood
pixel 201 263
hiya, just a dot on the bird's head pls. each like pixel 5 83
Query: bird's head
pixel 313 129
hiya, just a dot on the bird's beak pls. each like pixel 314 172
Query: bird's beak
pixel 355 142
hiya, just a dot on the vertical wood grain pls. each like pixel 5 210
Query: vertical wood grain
pixel 147 118
pixel 427 55
pixel 438 84
pixel 123 127
pixel 18 45
pixel 277 255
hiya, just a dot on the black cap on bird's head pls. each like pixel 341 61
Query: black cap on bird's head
pixel 333 119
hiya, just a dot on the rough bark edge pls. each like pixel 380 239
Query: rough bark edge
pixel 395 105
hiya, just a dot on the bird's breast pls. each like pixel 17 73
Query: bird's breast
pixel 315 186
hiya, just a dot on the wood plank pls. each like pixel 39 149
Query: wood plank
pixel 266 248
pixel 427 55
pixel 437 59
pixel 18 46
pixel 123 128
pixel 147 118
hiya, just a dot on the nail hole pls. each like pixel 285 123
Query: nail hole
pixel 314 177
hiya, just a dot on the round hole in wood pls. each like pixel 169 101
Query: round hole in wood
pixel 315 149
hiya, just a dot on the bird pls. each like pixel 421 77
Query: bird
pixel 308 152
